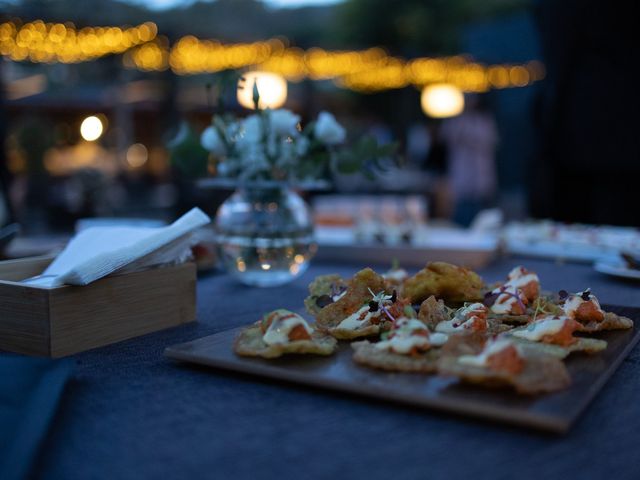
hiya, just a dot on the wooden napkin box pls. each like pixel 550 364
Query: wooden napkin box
pixel 66 320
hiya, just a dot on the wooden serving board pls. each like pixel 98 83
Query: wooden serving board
pixel 553 412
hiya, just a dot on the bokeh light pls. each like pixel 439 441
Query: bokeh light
pixel 272 88
pixel 91 128
pixel 137 155
pixel 442 100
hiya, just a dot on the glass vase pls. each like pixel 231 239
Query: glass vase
pixel 264 235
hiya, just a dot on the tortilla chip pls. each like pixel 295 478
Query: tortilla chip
pixel 321 285
pixel 366 354
pixel 433 311
pixel 508 319
pixel 495 327
pixel 611 321
pixel 584 345
pixel 365 331
pixel 541 373
pixel 449 282
pixel 250 344
pixel 357 295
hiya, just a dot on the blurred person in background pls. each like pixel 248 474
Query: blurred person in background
pixel 588 160
pixel 471 140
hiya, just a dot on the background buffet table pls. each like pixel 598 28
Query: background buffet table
pixel 129 412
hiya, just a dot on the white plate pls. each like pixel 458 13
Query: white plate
pixel 616 268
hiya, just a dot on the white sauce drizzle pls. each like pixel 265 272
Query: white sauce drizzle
pixel 504 303
pixel 538 329
pixel 518 279
pixel 463 320
pixel 493 347
pixel 453 326
pixel 403 340
pixel 403 344
pixel 278 331
pixel 523 280
pixel 438 339
pixel 353 321
pixel 335 298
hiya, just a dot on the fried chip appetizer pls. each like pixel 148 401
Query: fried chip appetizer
pixel 365 309
pixel 373 317
pixel 407 347
pixel 471 318
pixel 281 332
pixel 323 291
pixel 445 281
pixel 584 307
pixel 554 335
pixel 524 280
pixel 503 363
pixel 509 302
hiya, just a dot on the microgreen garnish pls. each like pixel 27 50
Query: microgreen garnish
pixel 388 314
pixel 538 309
pixel 517 297
pixel 379 300
pixel 380 297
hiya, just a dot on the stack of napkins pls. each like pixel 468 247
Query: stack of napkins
pixel 99 251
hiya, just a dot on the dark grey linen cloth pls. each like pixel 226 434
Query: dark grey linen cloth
pixel 131 413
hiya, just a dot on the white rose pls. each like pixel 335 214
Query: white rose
pixel 328 130
pixel 211 141
pixel 251 129
pixel 283 122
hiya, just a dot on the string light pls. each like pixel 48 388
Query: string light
pixel 365 71
pixel 151 56
pixel 41 42
pixel 368 70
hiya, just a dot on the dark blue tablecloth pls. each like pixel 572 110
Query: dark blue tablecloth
pixel 131 413
pixel 30 390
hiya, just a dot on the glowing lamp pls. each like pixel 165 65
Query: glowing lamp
pixel 91 128
pixel 442 100
pixel 271 86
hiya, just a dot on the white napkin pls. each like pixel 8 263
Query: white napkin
pixel 99 251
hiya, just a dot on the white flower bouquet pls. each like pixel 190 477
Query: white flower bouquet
pixel 271 145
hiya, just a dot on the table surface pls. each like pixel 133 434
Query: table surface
pixel 131 413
